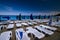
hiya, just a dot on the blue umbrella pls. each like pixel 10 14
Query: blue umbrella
pixel 21 35
pixel 19 16
pixel 57 19
pixel 50 21
pixel 31 17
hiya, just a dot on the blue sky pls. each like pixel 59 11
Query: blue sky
pixel 28 6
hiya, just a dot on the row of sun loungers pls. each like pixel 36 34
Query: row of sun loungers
pixel 21 34
pixel 28 23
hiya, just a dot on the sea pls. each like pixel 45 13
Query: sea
pixel 14 17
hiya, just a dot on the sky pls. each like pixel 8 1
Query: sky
pixel 29 6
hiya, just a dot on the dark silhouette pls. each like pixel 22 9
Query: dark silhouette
pixel 50 21
pixel 44 16
pixel 57 19
pixel 31 17
pixel 49 17
pixel 24 17
pixel 39 17
pixel 0 18
pixel 19 16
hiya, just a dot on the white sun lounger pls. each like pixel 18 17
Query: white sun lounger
pixel 44 30
pixel 18 21
pixel 56 23
pixel 6 35
pixel 30 23
pixel 33 22
pixel 24 24
pixel 37 20
pixel 35 32
pixel 51 28
pixel 11 22
pixel 24 36
pixel 43 20
pixel 10 26
pixel 18 24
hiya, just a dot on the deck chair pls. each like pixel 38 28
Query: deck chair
pixel 6 35
pixel 51 28
pixel 11 22
pixel 44 30
pixel 34 22
pixel 25 24
pixel 21 34
pixel 10 26
pixel 30 23
pixel 18 21
pixel 18 24
pixel 37 34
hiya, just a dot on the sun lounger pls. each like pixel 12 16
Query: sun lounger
pixel 35 32
pixel 21 34
pixel 11 22
pixel 6 35
pixel 18 24
pixel 44 30
pixel 18 21
pixel 33 22
pixel 51 28
pixel 24 24
pixel 10 26
pixel 56 23
pixel 30 23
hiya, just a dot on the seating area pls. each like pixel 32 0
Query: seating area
pixel 32 27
